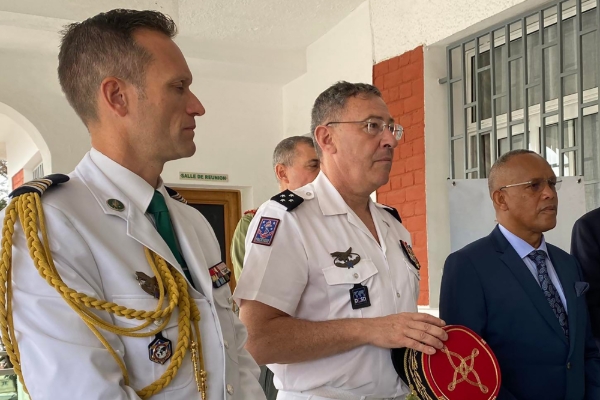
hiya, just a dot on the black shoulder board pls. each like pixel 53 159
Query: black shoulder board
pixel 39 185
pixel 394 212
pixel 175 196
pixel 288 199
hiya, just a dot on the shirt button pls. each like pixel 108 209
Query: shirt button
pixel 226 344
pixel 308 193
pixel 230 299
pixel 230 389
pixel 397 294
pixel 568 365
pixel 355 275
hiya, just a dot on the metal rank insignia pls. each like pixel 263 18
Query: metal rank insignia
pixel 148 283
pixel 115 204
pixel 359 296
pixel 410 254
pixel 345 259
pixel 160 349
pixel 220 275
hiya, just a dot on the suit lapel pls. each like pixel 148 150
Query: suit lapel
pixel 138 226
pixel 561 266
pixel 518 268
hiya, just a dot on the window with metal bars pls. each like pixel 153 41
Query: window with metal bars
pixel 529 83
pixel 38 172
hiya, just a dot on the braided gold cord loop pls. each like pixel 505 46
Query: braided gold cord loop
pixel 27 209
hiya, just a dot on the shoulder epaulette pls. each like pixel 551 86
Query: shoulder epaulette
pixel 394 212
pixel 39 185
pixel 175 196
pixel 288 199
pixel 253 212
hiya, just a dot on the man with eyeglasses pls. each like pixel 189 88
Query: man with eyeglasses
pixel 524 296
pixel 330 281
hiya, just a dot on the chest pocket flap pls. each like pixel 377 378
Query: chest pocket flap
pixel 360 273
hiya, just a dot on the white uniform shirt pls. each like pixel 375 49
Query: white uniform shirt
pixel 296 274
pixel 97 251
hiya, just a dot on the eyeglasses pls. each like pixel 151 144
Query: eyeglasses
pixel 537 185
pixel 375 127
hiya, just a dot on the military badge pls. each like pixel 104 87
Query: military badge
pixel 345 259
pixel 160 349
pixel 265 233
pixel 220 275
pixel 148 283
pixel 466 368
pixel 410 254
pixel 115 204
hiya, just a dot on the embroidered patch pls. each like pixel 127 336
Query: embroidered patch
pixel 265 233
pixel 219 274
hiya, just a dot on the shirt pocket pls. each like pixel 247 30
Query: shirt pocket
pixel 339 282
pixel 142 372
pixel 414 276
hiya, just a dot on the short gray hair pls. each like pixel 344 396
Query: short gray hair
pixel 501 162
pixel 333 100
pixel 285 151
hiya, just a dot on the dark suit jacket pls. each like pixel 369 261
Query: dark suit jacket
pixel 488 288
pixel 585 246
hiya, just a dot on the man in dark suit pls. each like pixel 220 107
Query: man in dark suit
pixel 524 296
pixel 585 246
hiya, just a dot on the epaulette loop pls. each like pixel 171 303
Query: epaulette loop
pixel 393 211
pixel 39 185
pixel 175 195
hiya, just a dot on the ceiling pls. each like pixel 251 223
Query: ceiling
pixel 269 35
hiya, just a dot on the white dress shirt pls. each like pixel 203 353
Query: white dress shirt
pixel 523 249
pixel 296 274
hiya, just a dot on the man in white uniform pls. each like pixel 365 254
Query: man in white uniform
pixel 331 282
pixel 130 84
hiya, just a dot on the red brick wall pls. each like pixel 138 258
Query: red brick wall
pixel 400 80
pixel 18 179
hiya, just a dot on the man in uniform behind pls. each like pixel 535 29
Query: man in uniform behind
pixel 331 282
pixel 295 163
pixel 115 221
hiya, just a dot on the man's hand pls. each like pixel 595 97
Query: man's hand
pixel 417 331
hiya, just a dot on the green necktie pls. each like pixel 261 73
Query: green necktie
pixel 158 208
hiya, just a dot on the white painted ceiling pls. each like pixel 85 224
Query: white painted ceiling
pixel 269 36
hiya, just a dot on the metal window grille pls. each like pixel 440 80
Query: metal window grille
pixel 529 83
pixel 38 171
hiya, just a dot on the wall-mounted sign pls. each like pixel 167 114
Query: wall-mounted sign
pixel 204 177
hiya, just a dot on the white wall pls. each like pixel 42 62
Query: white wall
pixel 20 151
pixel 236 136
pixel 343 53
pixel 402 25
pixel 29 86
pixel 437 161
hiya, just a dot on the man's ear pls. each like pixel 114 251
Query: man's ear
pixel 281 173
pixel 324 138
pixel 114 95
pixel 499 200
